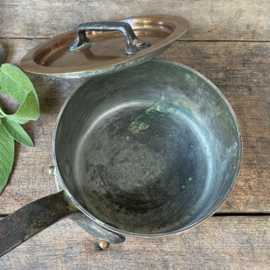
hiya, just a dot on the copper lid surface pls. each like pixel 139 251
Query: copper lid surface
pixel 106 54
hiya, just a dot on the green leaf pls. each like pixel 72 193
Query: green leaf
pixel 15 83
pixel 7 157
pixel 1 111
pixel 29 110
pixel 17 132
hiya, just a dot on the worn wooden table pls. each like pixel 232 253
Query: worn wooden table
pixel 229 43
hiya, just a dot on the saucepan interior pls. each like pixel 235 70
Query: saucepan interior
pixel 151 150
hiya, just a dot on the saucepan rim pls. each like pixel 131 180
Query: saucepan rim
pixel 202 219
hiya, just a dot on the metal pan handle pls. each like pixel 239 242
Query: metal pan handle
pixel 133 43
pixel 40 214
pixel 32 219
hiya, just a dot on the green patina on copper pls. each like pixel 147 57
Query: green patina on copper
pixel 160 109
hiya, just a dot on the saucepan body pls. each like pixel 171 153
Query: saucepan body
pixel 149 151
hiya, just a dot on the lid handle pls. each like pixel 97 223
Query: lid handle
pixel 133 43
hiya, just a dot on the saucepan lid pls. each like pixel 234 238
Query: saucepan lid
pixel 105 47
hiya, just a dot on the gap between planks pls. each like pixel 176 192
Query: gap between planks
pixel 180 40
pixel 250 214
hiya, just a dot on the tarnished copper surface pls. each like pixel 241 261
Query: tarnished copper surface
pixel 107 51
pixel 104 244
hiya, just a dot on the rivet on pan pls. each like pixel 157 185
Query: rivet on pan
pixel 140 43
pixel 104 244
pixel 51 170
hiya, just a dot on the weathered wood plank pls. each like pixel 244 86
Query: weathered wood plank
pixel 30 179
pixel 239 69
pixel 210 20
pixel 219 243
pixel 241 72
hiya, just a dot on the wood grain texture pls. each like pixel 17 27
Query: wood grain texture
pixel 209 20
pixel 219 243
pixel 239 69
pixel 30 179
pixel 241 72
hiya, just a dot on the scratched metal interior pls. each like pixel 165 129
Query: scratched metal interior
pixel 149 150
